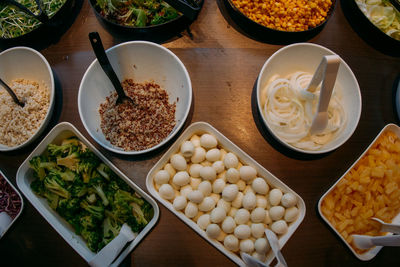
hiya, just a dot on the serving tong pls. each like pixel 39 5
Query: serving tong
pixel 42 16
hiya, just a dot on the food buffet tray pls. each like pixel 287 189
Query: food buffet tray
pixel 200 128
pixel 25 177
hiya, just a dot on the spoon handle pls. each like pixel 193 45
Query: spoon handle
pixel 390 241
pixel 332 63
pixel 11 92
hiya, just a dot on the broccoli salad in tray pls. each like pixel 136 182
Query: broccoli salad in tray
pixel 87 193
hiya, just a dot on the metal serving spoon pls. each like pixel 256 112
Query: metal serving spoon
pixel 105 64
pixel 12 94
pixel 42 16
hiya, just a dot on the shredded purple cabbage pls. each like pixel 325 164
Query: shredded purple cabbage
pixel 10 201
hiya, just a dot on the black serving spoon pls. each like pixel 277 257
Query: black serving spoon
pixel 42 16
pixel 101 56
pixel 12 94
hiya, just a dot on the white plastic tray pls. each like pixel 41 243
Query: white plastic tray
pixel 25 177
pixel 370 254
pixel 200 128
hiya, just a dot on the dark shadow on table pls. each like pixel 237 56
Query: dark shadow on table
pixel 395 88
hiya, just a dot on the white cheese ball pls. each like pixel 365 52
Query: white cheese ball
pixel 232 175
pixel 261 246
pixel 247 173
pixel 199 155
pixel 230 192
pixel 208 173
pixel 224 204
pixel 218 215
pixel 208 141
pixel 213 154
pixel 257 215
pixel 249 201
pixel 195 182
pixel 196 196
pixel 275 196
pixel 242 216
pixel 203 221
pixel 187 149
pixel 258 256
pixel 260 186
pixel 179 203
pixel 181 178
pixel 185 190
pixel 231 160
pixel 242 231
pixel 161 177
pixel 232 212
pixel 267 219
pixel 195 139
pixel 166 191
pixel 194 170
pixel 276 212
pixel 228 225
pixel 288 200
pixel 246 246
pixel 231 243
pixel 205 187
pixel 191 210
pixel 218 166
pixel 279 227
pixel 241 185
pixel 207 204
pixel 218 186
pixel 168 167
pixel 291 214
pixel 257 230
pixel 237 202
pixel 213 230
pixel 261 201
pixel 178 162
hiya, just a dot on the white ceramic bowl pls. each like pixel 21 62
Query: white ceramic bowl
pixel 27 63
pixel 306 57
pixel 141 61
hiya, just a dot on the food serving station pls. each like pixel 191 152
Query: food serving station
pixel 223 57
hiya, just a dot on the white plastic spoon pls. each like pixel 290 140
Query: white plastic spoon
pixel 273 241
pixel 388 227
pixel 366 241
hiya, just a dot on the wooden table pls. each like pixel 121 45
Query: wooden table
pixel 223 65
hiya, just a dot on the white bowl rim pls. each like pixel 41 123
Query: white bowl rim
pixel 260 109
pixel 171 135
pixel 51 104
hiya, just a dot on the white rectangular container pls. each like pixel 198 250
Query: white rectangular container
pixel 370 254
pixel 200 128
pixel 25 177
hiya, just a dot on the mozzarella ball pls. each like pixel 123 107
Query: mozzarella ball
pixel 261 246
pixel 185 190
pixel 267 219
pixel 218 215
pixel 257 215
pixel 276 212
pixel 208 141
pixel 242 216
pixel 231 160
pixel 224 204
pixel 291 214
pixel 194 170
pixel 205 187
pixel 203 221
pixel 257 230
pixel 247 173
pixel 195 182
pixel 181 178
pixel 232 175
pixel 249 201
pixel 187 149
pixel 288 200
pixel 230 192
pixel 242 231
pixel 199 155
pixel 237 202
pixel 179 203
pixel 208 173
pixel 275 196
pixel 213 154
pixel 195 139
pixel 258 256
pixel 218 166
pixel 241 185
pixel 178 162
pixel 261 201
pixel 246 246
pixel 228 225
pixel 168 167
pixel 161 177
pixel 231 243
pixel 218 186
pixel 216 197
pixel 279 227
pixel 213 230
pixel 232 212
pixel 196 196
pixel 191 210
pixel 260 186
pixel 166 191
pixel 207 204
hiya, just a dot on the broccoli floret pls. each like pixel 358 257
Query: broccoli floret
pixel 93 239
pixel 52 199
pixel 98 184
pixel 40 164
pixel 91 198
pixel 110 230
pixel 67 147
pixel 138 213
pixel 96 211
pixel 56 185
pixel 105 171
pixel 68 208
pixel 66 175
pixel 87 165
pixel 71 161
pixel 124 196
pixel 89 222
pixel 75 222
pixel 78 188
pixel 38 187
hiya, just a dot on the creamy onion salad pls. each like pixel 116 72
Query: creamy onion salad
pixel 290 115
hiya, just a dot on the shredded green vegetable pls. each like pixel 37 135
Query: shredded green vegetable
pixel 15 23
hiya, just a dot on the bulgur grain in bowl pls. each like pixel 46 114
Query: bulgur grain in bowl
pixel 29 74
